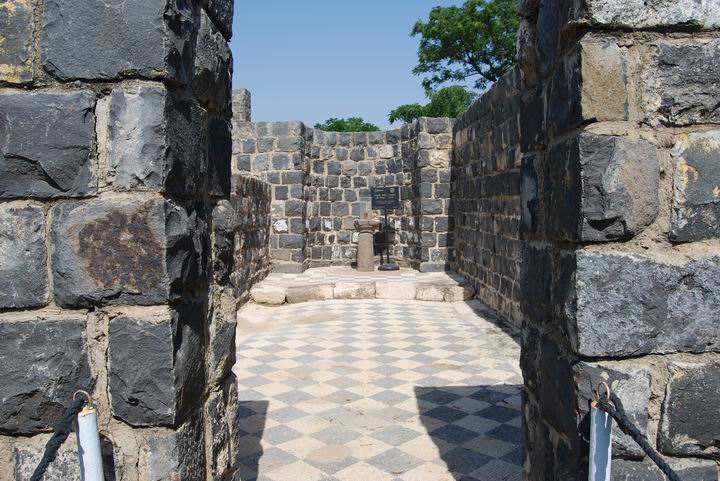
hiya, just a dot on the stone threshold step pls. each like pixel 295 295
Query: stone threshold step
pixel 274 295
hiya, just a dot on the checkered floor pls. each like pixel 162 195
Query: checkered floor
pixel 330 275
pixel 377 391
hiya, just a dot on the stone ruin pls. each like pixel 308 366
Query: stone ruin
pixel 579 195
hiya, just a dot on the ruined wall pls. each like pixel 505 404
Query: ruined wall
pixel 115 147
pixel 321 183
pixel 619 211
pixel 486 197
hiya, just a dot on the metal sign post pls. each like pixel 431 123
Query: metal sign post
pixel 386 198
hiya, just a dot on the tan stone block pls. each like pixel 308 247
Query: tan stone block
pixel 430 292
pixel 395 290
pixel 322 292
pixel 354 290
pixel 459 293
pixel 270 295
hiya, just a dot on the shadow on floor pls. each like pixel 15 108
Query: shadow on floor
pixel 252 417
pixel 477 429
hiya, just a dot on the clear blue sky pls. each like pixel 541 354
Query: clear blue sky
pixel 310 60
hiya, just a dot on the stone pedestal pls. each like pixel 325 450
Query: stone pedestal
pixel 366 250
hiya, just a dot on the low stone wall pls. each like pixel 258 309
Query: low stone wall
pixel 321 183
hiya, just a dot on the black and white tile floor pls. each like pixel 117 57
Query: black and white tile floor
pixel 377 391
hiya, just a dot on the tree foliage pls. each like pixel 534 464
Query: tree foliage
pixel 475 41
pixel 446 102
pixel 352 124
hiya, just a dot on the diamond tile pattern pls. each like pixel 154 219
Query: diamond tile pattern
pixel 378 390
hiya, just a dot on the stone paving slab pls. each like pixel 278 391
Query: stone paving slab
pixel 391 390
pixel 329 283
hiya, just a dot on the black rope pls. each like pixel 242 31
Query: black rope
pixel 62 431
pixel 617 412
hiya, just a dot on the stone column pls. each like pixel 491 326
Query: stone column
pixel 366 243
pixel 115 147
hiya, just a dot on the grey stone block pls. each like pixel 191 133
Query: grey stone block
pixel 626 305
pixel 631 384
pixel 169 346
pixel 687 470
pixel 696 203
pixel 221 335
pixel 646 14
pixel 431 207
pixel 212 82
pixel 291 241
pixel 156 140
pixel 16 23
pixel 680 86
pixel 147 38
pixel 43 361
pixel 690 425
pixel 219 157
pixel 159 251
pixel 46 140
pixel 221 12
pixel 607 188
pixel 65 466
pixel 175 455
pixel 23 259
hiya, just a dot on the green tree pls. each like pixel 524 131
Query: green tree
pixel 474 42
pixel 446 102
pixel 352 124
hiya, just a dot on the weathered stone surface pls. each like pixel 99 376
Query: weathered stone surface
pixel 65 467
pixel 271 295
pixel 16 23
pixel 43 361
pixel 221 335
pixel 430 292
pixel 626 305
pixel 354 290
pixel 690 425
pixel 607 188
pixel 23 260
pixel 459 293
pixel 631 384
pixel 322 292
pixel 647 14
pixel 242 107
pixel 212 83
pixel 687 470
pixel 159 251
pixel 169 346
pixel 680 86
pixel 696 203
pixel 147 38
pixel 175 455
pixel 395 290
pixel 46 140
pixel 219 157
pixel 220 413
pixel 222 13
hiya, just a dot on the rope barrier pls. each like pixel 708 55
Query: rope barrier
pixel 612 405
pixel 62 430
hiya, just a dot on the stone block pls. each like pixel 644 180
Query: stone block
pixel 16 23
pixel 459 293
pixel 219 157
pixel 175 455
pixel 267 294
pixel 159 251
pixel 169 345
pixel 637 14
pixel 620 304
pixel 220 414
pixel 601 188
pixel 696 203
pixel 147 38
pixel 686 469
pixel 431 207
pixel 690 425
pixel 156 140
pixel 395 290
pixel 221 12
pixel 46 141
pixel 631 384
pixel 65 467
pixel 221 335
pixel 23 259
pixel 212 82
pixel 321 292
pixel 291 241
pixel 430 292
pixel 43 361
pixel 354 290
pixel 680 85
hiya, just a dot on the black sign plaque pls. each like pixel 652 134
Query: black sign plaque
pixel 385 198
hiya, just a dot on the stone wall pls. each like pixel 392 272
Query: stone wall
pixel 115 145
pixel 321 183
pixel 619 209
